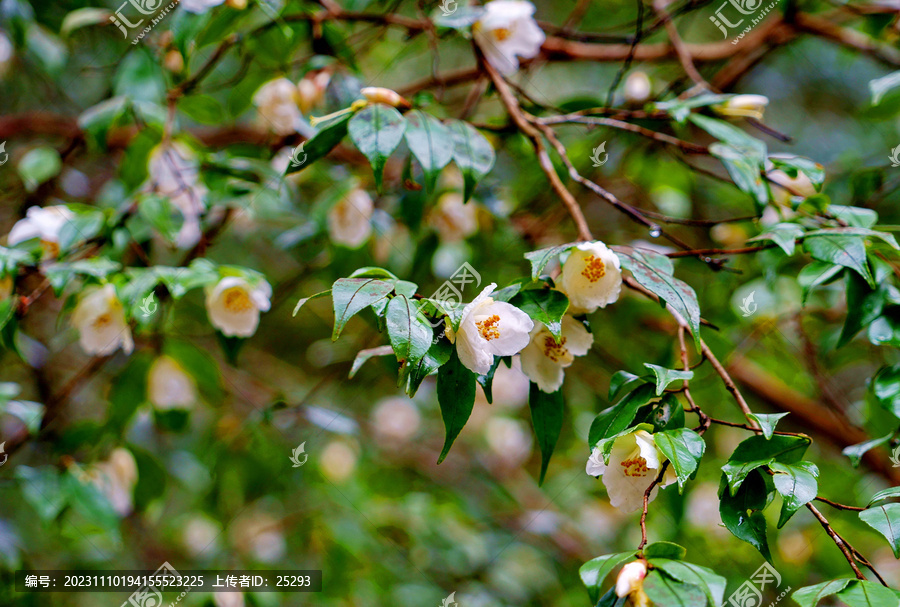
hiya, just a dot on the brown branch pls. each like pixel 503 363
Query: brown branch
pixel 515 112
pixel 681 49
pixel 656 481
pixel 837 540
pixel 729 384
pixel 837 505
pixel 687 146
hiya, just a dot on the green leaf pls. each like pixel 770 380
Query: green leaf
pixel 847 251
pixel 744 171
pixel 328 134
pixel 731 135
pixel 885 519
pixel 767 421
pixel 797 485
pixel 377 130
pixel 885 330
pixel 38 166
pixel 856 231
pixel 59 274
pixel 884 494
pixel 617 418
pixel 811 595
pixel 86 499
pixel 742 515
pixel 546 306
pixel 42 489
pixel 666 591
pixel 791 165
pixel 139 75
pixel 486 381
pixel 595 571
pixel 758 451
pixel 96 121
pixel 456 396
pixel 204 109
pixel 783 234
pixel 665 550
pixel 855 216
pixel 438 354
pixel 547 417
pixel 622 380
pixel 879 87
pixel 472 153
pixel 864 305
pixel 885 387
pixel 667 414
pixel 303 301
pixel 654 272
pixel 713 585
pixel 363 355
pixel 815 274
pixel 409 332
pixel 684 448
pixel 860 593
pixel 83 17
pixel 664 376
pixel 162 215
pixel 352 295
pixel 539 259
pixel 855 452
pixel 430 142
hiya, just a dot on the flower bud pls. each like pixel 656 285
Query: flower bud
pixel 377 94
pixel 631 577
pixel 748 106
pixel 173 61
pixel 637 87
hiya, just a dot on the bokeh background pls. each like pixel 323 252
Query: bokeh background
pixel 215 488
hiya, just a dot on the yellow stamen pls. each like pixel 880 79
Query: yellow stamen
pixel 555 351
pixel 635 466
pixel 237 300
pixel 501 34
pixel 489 327
pixel 594 269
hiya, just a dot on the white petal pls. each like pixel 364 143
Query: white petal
pixel 514 327
pixel 648 449
pixel 474 358
pixel 591 277
pixel 578 339
pixel 595 464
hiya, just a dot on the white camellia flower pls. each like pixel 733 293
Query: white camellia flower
pixel 543 360
pixel 169 386
pixel 630 583
pixel 506 31
pixel 278 106
pixel 350 220
pixel 44 223
pixel 634 463
pixel 199 6
pixel 748 106
pixel 116 479
pixel 489 328
pixel 591 277
pixel 174 172
pixel 100 320
pixel 233 305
